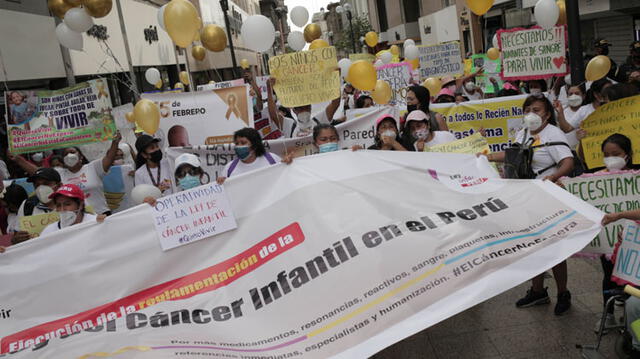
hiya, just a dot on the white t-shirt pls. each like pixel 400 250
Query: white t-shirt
pixel 89 179
pixel 440 137
pixel 12 223
pixel 242 167
pixel 54 227
pixel 294 130
pixel 142 176
pixel 570 115
pixel 581 115
pixel 544 157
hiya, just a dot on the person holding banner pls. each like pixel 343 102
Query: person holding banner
pixel 69 200
pixel 189 173
pixel 387 135
pixel 418 133
pixel 326 138
pixel 595 99
pixel 151 167
pixel 567 115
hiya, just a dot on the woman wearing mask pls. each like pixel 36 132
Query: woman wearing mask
pixel 549 163
pixel 189 173
pixel 567 115
pixel 326 138
pixel 418 133
pixel 11 198
pixel 472 91
pixel 88 175
pixel 70 205
pixel 387 135
pixel 418 99
pixel 594 100
pixel 151 167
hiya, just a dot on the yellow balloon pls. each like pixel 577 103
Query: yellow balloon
pixel 213 38
pixel 211 82
pixel 371 38
pixel 244 63
pixel 562 19
pixel 181 22
pixel 318 44
pixel 97 8
pixel 597 68
pixel 363 75
pixel 479 7
pixel 74 3
pixel 198 52
pixel 433 84
pixel 58 7
pixel 395 50
pixel 129 116
pixel 158 84
pixel 147 115
pixel 311 32
pixel 184 77
pixel 415 63
pixel 493 53
pixel 381 93
pixel 178 86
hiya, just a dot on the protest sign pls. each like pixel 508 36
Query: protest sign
pixel 44 120
pixel 221 85
pixel 306 77
pixel 399 78
pixel 609 192
pixel 203 117
pixel 500 117
pixel 491 70
pixel 192 215
pixel 627 265
pixel 440 60
pixel 362 56
pixel 261 82
pixel 35 224
pixel 535 53
pixel 621 116
pixel 471 145
pixel 294 280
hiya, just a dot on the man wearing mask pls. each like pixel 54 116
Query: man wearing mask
pixel 632 65
pixel 45 181
pixel 152 168
pixel 601 47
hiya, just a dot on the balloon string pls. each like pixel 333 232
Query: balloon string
pixel 108 74
pixel 110 53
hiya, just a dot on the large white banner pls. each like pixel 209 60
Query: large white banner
pixel 344 254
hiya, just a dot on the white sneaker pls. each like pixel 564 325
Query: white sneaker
pixel 610 322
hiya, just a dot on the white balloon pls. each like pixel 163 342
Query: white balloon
pixel 78 20
pixel 142 191
pixel 386 57
pixel 69 38
pixel 152 76
pixel 411 52
pixel 344 65
pixel 409 42
pixel 546 13
pixel 258 33
pixel 295 39
pixel 161 16
pixel 494 41
pixel 378 63
pixel 299 16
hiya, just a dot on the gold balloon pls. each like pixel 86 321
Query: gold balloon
pixel 597 68
pixel 58 7
pixel 479 7
pixel 184 77
pixel 97 8
pixel 381 94
pixel 244 63
pixel 318 44
pixel 371 38
pixel 213 38
pixel 158 84
pixel 130 117
pixel 181 22
pixel 415 63
pixel 74 3
pixel 311 32
pixel 363 75
pixel 211 82
pixel 147 115
pixel 198 52
pixel 562 19
pixel 395 50
pixel 196 37
pixel 178 86
pixel 433 84
pixel 493 53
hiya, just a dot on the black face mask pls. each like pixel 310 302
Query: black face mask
pixel 411 108
pixel 155 156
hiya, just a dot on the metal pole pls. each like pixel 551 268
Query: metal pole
pixel 225 7
pixel 353 40
pixel 127 51
pixel 575 45
pixel 284 50
pixel 192 86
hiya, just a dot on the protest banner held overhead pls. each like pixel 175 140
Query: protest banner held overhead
pixel 399 78
pixel 491 70
pixel 441 60
pixel 44 120
pixel 203 117
pixel 306 77
pixel 627 264
pixel 534 53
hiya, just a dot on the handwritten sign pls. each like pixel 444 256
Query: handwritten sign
pixel 628 258
pixel 192 215
pixel 621 116
pixel 365 57
pixel 36 223
pixel 306 77
pixel 399 78
pixel 533 53
pixel 440 60
pixel 472 145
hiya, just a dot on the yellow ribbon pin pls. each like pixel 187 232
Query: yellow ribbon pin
pixel 101 89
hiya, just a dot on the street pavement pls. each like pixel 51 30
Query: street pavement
pixel 497 329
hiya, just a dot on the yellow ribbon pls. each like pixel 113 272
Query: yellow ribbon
pixel 101 90
pixel 119 351
pixel 233 108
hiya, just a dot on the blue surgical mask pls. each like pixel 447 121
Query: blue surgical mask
pixel 328 147
pixel 242 152
pixel 189 182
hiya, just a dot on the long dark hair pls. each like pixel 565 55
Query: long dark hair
pixel 596 87
pixel 407 139
pixel 253 136
pixel 624 143
pixel 619 91
pixel 423 97
pixel 377 139
pixel 548 107
pixel 83 157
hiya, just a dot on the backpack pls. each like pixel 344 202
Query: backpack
pixel 233 165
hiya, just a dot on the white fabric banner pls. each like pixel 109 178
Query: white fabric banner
pixel 344 254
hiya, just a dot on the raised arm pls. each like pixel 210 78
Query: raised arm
pixel 562 121
pixel 108 158
pixel 27 166
pixel 271 104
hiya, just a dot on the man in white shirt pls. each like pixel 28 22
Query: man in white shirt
pixel 155 171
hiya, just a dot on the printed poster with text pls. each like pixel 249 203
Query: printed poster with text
pixel 534 53
pixel 399 78
pixel 440 60
pixel 44 120
pixel 203 117
pixel 627 265
pixel 306 77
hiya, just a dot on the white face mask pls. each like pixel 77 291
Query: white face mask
pixel 37 157
pixel 470 86
pixel 388 133
pixel 532 121
pixel 304 117
pixel 615 163
pixel 67 218
pixel 567 79
pixel 118 162
pixel 421 134
pixel 535 92
pixel 43 192
pixel 71 160
pixel 574 100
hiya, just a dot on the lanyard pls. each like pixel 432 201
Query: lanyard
pixel 157 181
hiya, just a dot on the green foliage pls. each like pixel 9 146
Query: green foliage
pixel 361 26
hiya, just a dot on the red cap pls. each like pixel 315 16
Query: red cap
pixel 69 190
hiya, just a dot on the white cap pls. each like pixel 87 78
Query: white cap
pixel 187 158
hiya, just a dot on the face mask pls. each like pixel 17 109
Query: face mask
pixel 421 134
pixel 532 121
pixel 574 100
pixel 470 86
pixel 43 192
pixel 255 102
pixel 535 92
pixel 67 218
pixel 118 162
pixel 71 160
pixel 567 79
pixel 411 108
pixel 615 163
pixel 304 117
pixel 328 147
pixel 156 156
pixel 189 182
pixel 389 133
pixel 37 157
pixel 242 152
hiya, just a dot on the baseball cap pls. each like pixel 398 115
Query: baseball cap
pixel 144 141
pixel 68 190
pixel 445 91
pixel 446 80
pixel 45 173
pixel 187 158
pixel 384 117
pixel 601 43
pixel 416 115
